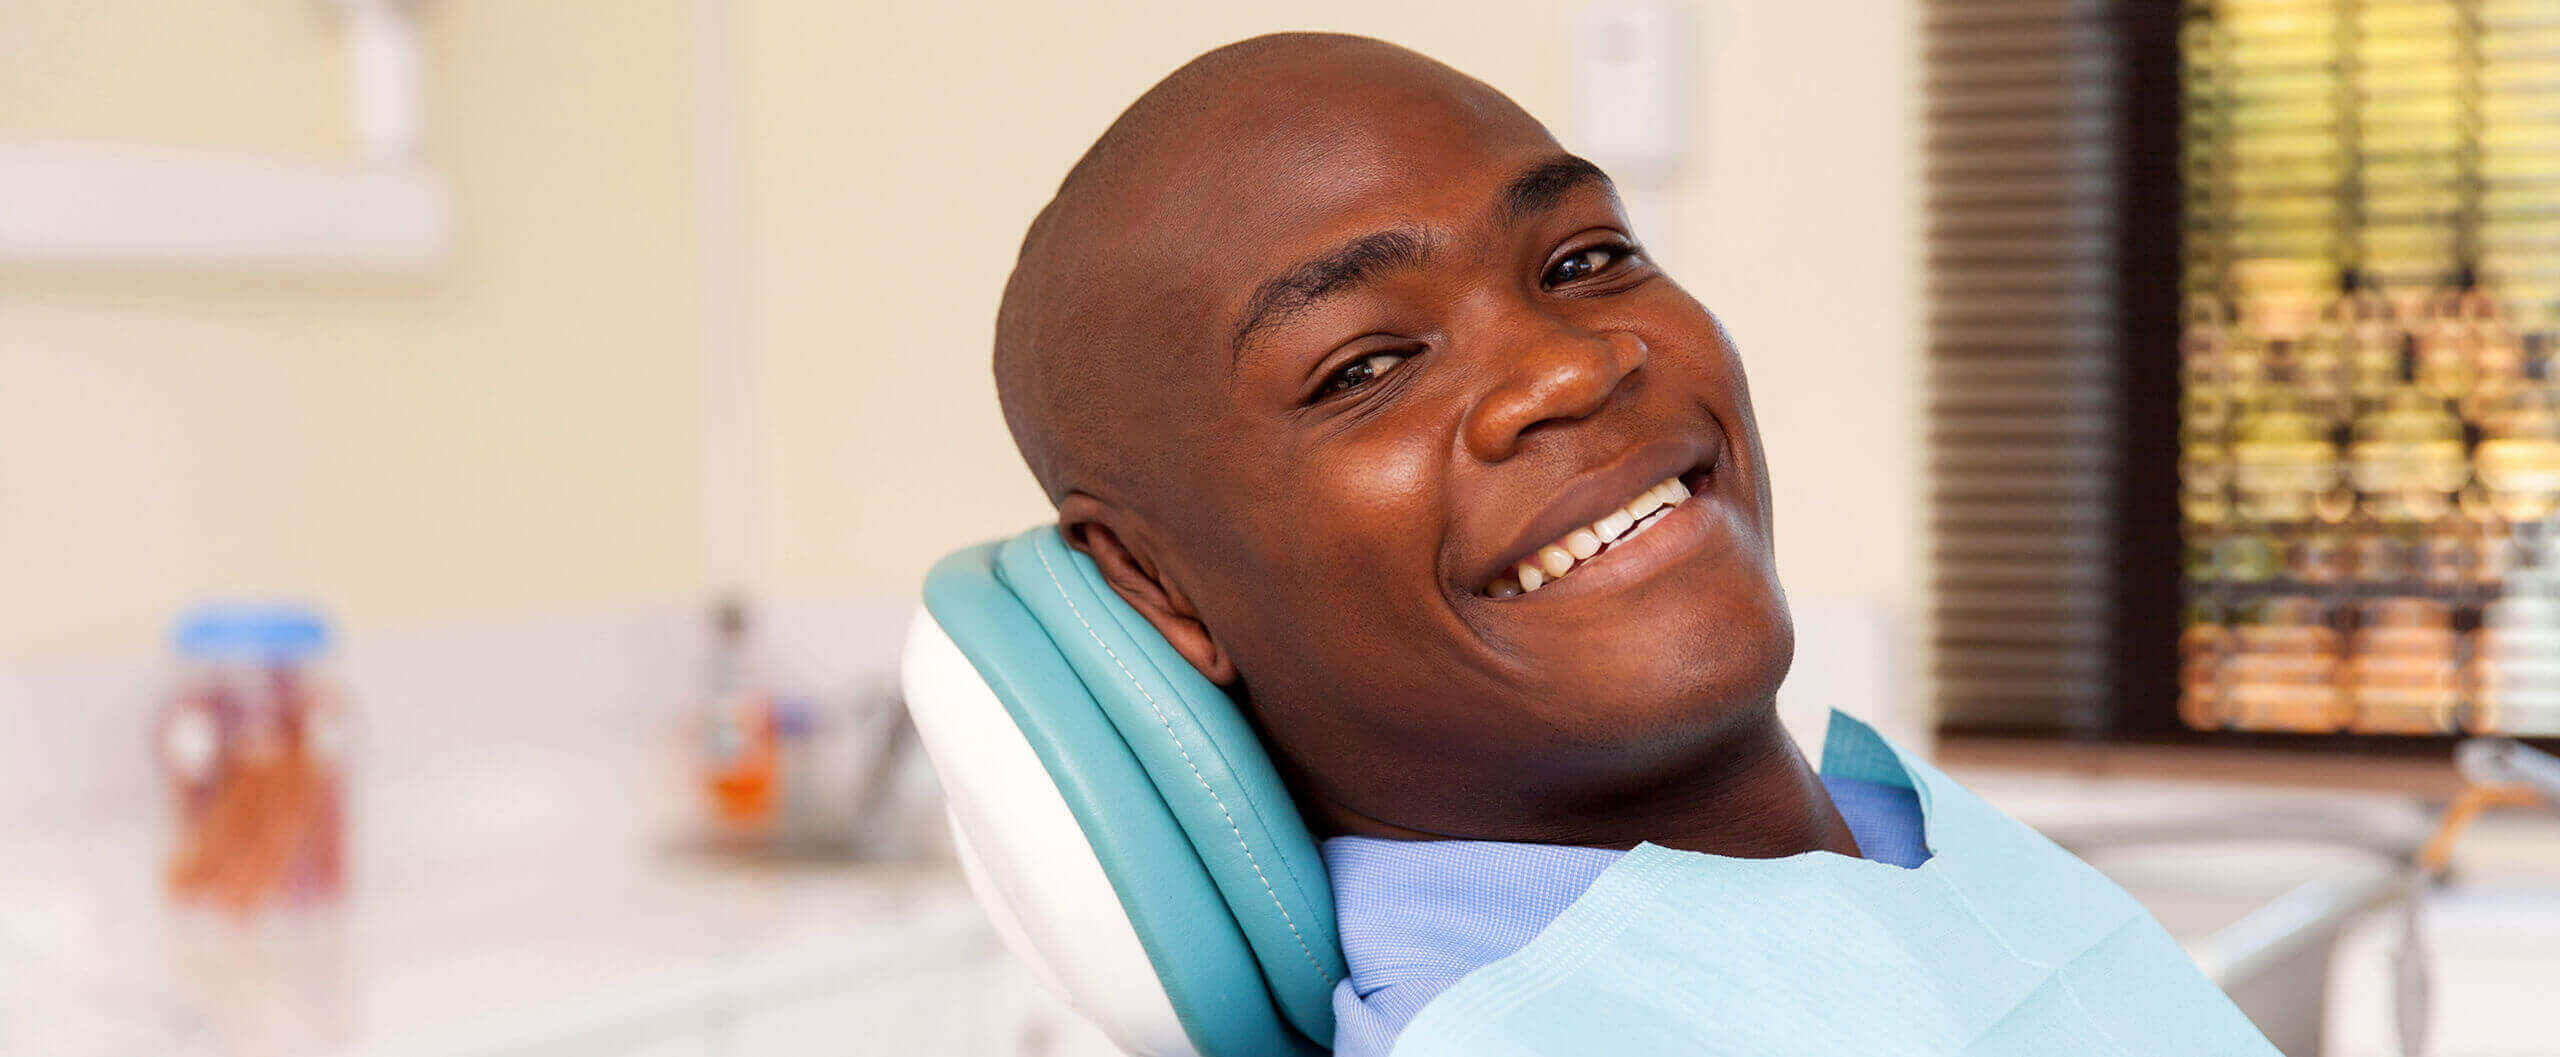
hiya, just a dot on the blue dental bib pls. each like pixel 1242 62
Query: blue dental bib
pixel 2000 945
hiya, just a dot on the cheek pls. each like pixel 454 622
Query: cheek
pixel 1347 584
pixel 1365 509
pixel 1693 344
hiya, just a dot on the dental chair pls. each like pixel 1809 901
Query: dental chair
pixel 1115 813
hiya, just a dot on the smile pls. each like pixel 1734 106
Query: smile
pixel 1554 561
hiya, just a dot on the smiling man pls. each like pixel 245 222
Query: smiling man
pixel 1359 388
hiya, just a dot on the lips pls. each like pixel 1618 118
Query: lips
pixel 1559 559
pixel 1594 512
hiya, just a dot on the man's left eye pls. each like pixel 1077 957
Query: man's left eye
pixel 1587 263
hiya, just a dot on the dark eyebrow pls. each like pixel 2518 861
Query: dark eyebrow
pixel 1541 186
pixel 1355 262
pixel 1536 189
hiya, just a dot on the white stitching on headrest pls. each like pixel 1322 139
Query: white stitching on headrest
pixel 1196 776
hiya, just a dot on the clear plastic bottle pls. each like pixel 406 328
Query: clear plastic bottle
pixel 741 731
pixel 254 744
pixel 777 769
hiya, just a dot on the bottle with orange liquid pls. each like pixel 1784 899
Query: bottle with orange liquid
pixel 740 732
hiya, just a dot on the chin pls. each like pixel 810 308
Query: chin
pixel 1707 670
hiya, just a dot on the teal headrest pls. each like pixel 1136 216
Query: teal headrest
pixel 1211 862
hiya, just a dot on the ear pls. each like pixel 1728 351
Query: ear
pixel 1089 526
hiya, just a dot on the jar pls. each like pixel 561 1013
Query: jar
pixel 253 743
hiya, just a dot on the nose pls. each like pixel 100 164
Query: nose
pixel 1561 374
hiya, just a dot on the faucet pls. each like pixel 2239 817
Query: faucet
pixel 2501 772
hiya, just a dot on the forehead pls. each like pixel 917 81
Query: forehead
pixel 1170 245
pixel 1282 175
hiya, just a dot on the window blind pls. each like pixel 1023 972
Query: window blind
pixel 2023 162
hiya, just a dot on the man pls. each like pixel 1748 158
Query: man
pixel 1360 389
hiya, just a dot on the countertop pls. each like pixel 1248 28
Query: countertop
pixel 525 899
pixel 498 901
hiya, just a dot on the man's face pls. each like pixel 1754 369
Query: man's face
pixel 1432 351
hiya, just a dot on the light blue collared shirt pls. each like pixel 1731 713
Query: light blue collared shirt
pixel 1417 916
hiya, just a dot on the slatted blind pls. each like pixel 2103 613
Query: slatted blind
pixel 2023 145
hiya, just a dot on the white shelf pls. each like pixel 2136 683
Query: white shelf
pixel 103 205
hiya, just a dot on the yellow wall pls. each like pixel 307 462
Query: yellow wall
pixel 523 429
pixel 900 154
pixel 515 431
pixel 1802 231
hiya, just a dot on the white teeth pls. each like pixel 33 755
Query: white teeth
pixel 1644 504
pixel 1646 524
pixel 1583 543
pixel 1554 560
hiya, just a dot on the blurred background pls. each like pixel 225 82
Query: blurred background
pixel 466 468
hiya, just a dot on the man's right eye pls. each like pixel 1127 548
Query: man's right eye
pixel 1361 372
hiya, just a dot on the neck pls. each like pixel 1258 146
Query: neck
pixel 1750 796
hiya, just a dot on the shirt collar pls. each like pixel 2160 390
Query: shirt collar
pixel 1852 749
pixel 1417 911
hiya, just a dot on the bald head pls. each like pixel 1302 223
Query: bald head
pixel 1330 357
pixel 1108 309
